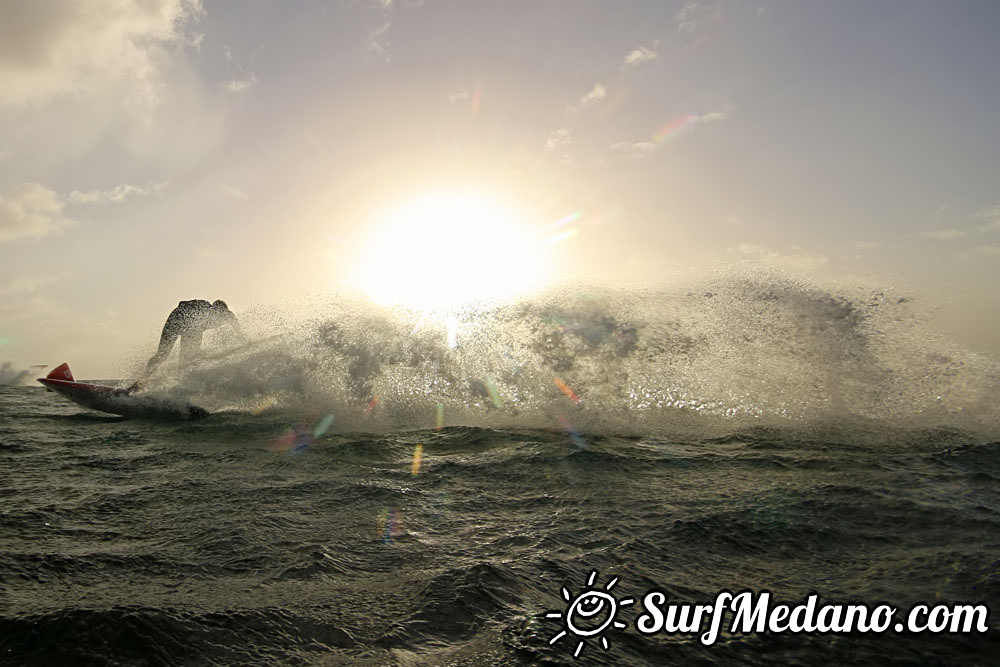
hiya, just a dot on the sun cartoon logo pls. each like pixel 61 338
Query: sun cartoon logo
pixel 590 613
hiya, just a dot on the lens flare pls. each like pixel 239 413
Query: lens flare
pixel 476 99
pixel 675 127
pixel 573 435
pixel 388 524
pixel 565 234
pixel 324 424
pixel 418 453
pixel 569 219
pixel 491 387
pixel 293 441
pixel 565 388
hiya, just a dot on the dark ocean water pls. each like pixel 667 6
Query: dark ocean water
pixel 790 440
pixel 131 542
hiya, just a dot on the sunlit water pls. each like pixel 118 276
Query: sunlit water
pixel 397 489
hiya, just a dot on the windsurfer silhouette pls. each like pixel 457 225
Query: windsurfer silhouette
pixel 189 321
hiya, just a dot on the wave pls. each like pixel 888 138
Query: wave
pixel 757 348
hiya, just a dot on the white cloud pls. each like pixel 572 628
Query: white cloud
pixel 596 94
pixel 694 15
pixel 461 96
pixel 31 210
pixel 240 80
pixel 641 149
pixel 634 150
pixel 54 48
pixel 560 137
pixel 117 194
pixel 639 56
pixel 992 250
pixel 943 234
pixel 240 85
pixel 378 42
pixel 78 74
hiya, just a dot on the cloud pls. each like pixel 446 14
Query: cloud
pixel 241 80
pixel 31 210
pixel 79 75
pixel 639 56
pixel 634 150
pixel 694 15
pixel 990 214
pixel 596 94
pixel 117 194
pixel 943 234
pixel 461 96
pixel 55 48
pixel 183 125
pixel 240 85
pixel 670 130
pixel 560 137
pixel 992 250
pixel 378 43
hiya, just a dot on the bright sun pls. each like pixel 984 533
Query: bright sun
pixel 448 248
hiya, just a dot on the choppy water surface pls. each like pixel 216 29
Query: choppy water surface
pixel 751 436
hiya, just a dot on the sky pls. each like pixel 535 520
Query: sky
pixel 272 153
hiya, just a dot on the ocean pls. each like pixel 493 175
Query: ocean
pixel 375 487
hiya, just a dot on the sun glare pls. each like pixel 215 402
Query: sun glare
pixel 446 249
